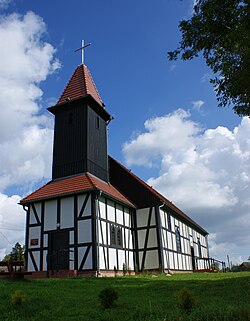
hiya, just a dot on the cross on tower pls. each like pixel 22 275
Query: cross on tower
pixel 82 48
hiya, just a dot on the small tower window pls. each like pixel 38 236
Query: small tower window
pixel 97 122
pixel 70 118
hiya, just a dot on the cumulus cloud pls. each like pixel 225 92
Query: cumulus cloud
pixel 197 104
pixel 203 171
pixel 4 3
pixel 25 130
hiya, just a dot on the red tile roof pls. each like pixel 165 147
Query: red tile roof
pixel 160 196
pixel 80 84
pixel 75 184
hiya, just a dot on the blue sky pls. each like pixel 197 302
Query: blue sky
pixel 142 90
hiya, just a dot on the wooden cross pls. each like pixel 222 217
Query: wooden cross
pixel 82 48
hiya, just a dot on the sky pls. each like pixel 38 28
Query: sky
pixel 167 127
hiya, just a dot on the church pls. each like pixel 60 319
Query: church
pixel 95 217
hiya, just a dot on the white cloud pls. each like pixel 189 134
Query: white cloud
pixel 197 104
pixel 12 223
pixel 204 172
pixel 4 3
pixel 25 131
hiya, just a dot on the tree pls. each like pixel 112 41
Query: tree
pixel 17 253
pixel 220 30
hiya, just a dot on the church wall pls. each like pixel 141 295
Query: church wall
pixel 180 258
pixel 114 235
pixel 72 214
pixel 146 230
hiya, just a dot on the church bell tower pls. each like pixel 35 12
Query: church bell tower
pixel 80 134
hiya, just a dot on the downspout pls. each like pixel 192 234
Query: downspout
pixel 160 241
pixel 97 232
pixel 26 209
pixel 167 258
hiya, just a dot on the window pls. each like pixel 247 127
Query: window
pixel 115 236
pixel 178 239
pixel 199 247
pixel 169 221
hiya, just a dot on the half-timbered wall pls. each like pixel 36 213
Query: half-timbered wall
pixel 147 239
pixel 114 249
pixel 72 214
pixel 180 257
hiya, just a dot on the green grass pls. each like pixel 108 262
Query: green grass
pixel 219 297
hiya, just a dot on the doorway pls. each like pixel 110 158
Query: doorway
pixel 193 258
pixel 58 250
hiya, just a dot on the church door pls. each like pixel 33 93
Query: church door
pixel 58 251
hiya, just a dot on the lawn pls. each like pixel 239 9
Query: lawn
pixel 221 296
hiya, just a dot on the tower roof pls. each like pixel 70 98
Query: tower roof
pixel 80 84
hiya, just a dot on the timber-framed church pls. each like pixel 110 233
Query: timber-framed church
pixel 96 217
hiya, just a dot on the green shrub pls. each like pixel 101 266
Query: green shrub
pixel 107 297
pixel 17 298
pixel 186 300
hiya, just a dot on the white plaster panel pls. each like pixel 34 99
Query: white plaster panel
pixel 141 238
pixel 172 222
pixel 175 260
pixel 111 211
pixel 36 255
pixel 112 259
pixel 131 240
pixel 84 231
pixel 152 239
pixel 169 240
pixel 45 240
pixel 71 258
pixel 38 208
pixel 45 260
pixel 162 216
pixel 34 233
pixel 104 232
pixel 67 212
pixel 182 245
pixel 121 259
pixel 131 260
pixel 164 241
pixel 127 217
pixel 50 215
pixel 102 208
pixel 180 261
pixel 153 222
pixel 176 222
pixel 71 237
pixel 119 214
pixel 171 260
pixel 152 260
pixel 101 258
pixel 88 263
pixel 181 229
pixel 126 239
pixel 142 217
pixel 174 242
pixel 80 201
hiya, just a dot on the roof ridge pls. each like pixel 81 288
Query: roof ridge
pixel 90 179
pixel 92 81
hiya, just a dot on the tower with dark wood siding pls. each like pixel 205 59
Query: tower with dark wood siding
pixel 80 136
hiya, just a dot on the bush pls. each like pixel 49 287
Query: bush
pixel 18 297
pixel 107 297
pixel 186 300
